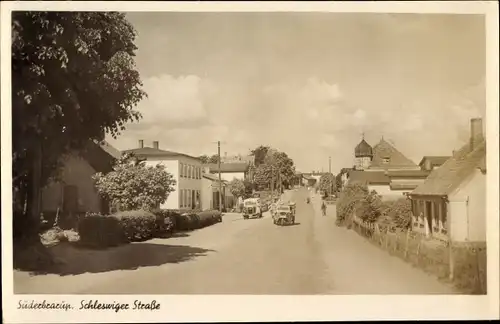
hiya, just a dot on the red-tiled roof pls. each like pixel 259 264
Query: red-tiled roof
pixel 449 176
pixel 435 160
pixel 368 177
pixel 396 159
pixel 153 152
pixel 235 167
pixel 419 174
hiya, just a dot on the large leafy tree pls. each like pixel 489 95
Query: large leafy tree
pixel 204 158
pixel 134 185
pixel 259 154
pixel 73 80
pixel 327 182
pixel 276 169
pixel 237 188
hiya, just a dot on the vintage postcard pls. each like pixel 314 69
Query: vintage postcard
pixel 249 161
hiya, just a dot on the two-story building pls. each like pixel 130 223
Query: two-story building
pixel 186 170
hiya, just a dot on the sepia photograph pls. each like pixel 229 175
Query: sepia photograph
pixel 246 153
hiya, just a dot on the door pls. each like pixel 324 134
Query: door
pixel 70 199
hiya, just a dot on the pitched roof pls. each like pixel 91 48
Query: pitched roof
pixel 212 177
pixel 449 176
pixel 150 151
pixel 234 167
pixel 108 148
pixel 403 186
pixel 100 155
pixel 418 174
pixel 368 177
pixel 396 159
pixel 435 160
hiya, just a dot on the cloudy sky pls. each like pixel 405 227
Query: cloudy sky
pixel 308 84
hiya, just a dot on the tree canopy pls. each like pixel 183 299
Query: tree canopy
pixel 133 185
pixel 276 168
pixel 259 154
pixel 237 188
pixel 327 182
pixel 73 80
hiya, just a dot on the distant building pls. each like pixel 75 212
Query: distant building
pixel 384 169
pixel 430 163
pixel 230 171
pixel 186 170
pixel 451 203
pixel 210 191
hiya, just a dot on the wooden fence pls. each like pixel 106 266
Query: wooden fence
pixel 463 264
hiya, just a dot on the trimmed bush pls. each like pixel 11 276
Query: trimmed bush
pixel 138 225
pixel 165 222
pixel 348 200
pixel 100 231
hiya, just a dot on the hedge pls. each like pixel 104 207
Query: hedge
pixel 100 231
pixel 103 231
pixel 138 225
pixel 165 222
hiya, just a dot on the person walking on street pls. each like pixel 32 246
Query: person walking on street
pixel 323 208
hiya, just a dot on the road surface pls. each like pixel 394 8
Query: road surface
pixel 245 257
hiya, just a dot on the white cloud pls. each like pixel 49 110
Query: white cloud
pixel 310 121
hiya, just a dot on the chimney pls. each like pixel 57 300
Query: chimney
pixel 428 165
pixel 141 143
pixel 476 132
pixel 156 144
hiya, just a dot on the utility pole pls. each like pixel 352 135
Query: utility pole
pixel 330 164
pixel 220 180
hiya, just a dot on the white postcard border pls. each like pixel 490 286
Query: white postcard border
pixel 206 308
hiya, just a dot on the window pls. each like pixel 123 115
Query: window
pixel 386 160
pixel 190 172
pixel 189 199
pixel 181 170
pixel 185 198
pixel 181 198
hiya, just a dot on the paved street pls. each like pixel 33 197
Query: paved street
pixel 251 257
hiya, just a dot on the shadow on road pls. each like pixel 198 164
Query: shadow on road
pixel 71 260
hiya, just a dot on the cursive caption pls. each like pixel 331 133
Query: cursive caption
pixel 90 305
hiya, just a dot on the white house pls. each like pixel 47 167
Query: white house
pixel 75 192
pixel 451 203
pixel 230 171
pixel 186 170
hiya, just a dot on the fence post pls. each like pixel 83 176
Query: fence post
pixel 478 270
pixel 407 242
pixel 451 260
pixel 418 251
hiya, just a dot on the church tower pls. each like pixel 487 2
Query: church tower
pixel 363 154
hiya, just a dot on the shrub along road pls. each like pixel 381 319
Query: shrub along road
pixel 253 257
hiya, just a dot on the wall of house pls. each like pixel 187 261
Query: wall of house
pixel 172 167
pixel 191 180
pixel 231 175
pixel 467 210
pixel 76 172
pixel 206 194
